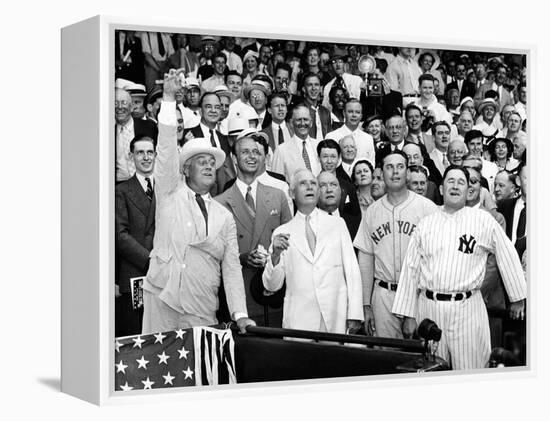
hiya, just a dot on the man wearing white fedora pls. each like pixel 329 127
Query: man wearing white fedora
pixel 195 242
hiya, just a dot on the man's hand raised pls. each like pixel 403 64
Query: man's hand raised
pixel 172 84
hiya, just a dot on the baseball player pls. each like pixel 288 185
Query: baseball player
pixel 444 269
pixel 382 240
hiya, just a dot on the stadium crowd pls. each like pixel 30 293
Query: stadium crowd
pixel 280 183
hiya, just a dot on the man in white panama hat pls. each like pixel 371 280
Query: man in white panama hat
pixel 195 242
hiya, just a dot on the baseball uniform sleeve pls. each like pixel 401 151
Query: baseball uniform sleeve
pixel 363 242
pixel 508 263
pixel 406 295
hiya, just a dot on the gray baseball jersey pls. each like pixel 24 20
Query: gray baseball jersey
pixel 383 236
pixel 385 231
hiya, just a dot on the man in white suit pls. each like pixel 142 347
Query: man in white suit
pixel 314 253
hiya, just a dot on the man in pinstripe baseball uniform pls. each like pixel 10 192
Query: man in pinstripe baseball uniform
pixel 382 241
pixel 443 271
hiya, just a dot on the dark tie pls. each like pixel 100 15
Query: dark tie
pixel 162 51
pixel 250 201
pixel 212 140
pixel 520 232
pixel 281 136
pixel 330 213
pixel 149 191
pixel 340 82
pixel 313 130
pixel 202 205
pixel 306 156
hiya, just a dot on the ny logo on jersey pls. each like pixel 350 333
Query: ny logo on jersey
pixel 467 244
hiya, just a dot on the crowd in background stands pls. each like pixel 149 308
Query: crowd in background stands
pixel 358 104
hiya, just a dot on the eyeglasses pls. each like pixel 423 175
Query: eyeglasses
pixel 122 103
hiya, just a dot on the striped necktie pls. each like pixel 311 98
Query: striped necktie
pixel 149 191
pixel 306 156
pixel 212 139
pixel 250 201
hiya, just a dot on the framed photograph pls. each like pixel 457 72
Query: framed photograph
pixel 268 209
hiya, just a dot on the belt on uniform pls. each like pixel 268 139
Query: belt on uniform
pixel 437 296
pixel 388 285
pixel 411 96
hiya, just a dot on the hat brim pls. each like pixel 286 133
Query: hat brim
pixel 217 153
pixel 484 105
pixel 249 88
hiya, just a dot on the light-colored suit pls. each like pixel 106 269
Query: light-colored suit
pixel 322 289
pixel 271 211
pixel 186 266
pixel 288 158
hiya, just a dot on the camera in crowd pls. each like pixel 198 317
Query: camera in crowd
pixel 427 119
pixel 375 87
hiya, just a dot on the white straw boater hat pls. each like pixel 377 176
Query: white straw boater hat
pixel 200 145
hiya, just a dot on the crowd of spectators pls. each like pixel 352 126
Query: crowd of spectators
pixel 287 122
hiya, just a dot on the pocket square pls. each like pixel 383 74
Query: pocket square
pixel 274 212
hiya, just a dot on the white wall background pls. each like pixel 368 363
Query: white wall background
pixel 30 207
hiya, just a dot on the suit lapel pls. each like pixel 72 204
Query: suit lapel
pixel 137 196
pixel 298 238
pixel 263 206
pixel 236 202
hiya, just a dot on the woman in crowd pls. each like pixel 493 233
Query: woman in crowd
pixel 338 98
pixel 251 69
pixel 362 179
pixel 500 151
pixel 467 104
pixel 375 127
pixel 505 186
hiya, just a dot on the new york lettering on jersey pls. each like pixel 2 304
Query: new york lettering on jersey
pixel 403 227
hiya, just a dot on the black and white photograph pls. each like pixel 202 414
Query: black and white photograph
pixel 299 208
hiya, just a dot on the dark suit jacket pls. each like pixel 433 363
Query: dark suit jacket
pixel 227 170
pixel 350 211
pixel 341 174
pixel 468 89
pixel 271 211
pixel 433 194
pixel 134 71
pixel 387 105
pixel 506 208
pixel 135 228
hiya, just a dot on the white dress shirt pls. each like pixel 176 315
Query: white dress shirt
pixel 363 141
pixel 243 188
pixel 125 167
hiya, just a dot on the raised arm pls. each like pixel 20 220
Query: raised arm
pixel 167 168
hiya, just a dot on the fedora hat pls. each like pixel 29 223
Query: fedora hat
pixel 200 145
